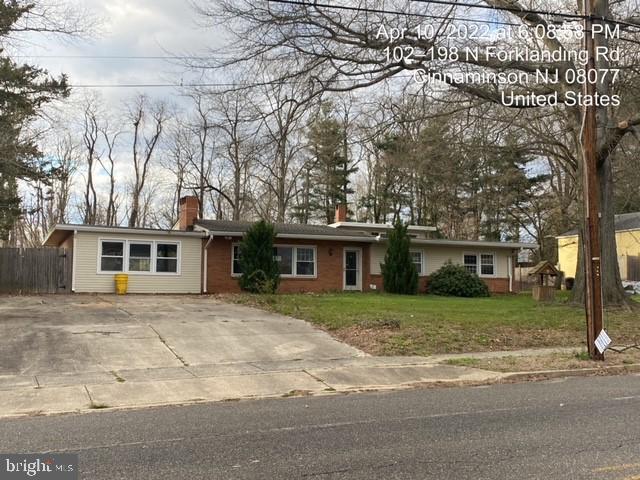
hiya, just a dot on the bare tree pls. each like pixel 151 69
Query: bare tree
pixel 341 49
pixel 90 136
pixel 148 123
pixel 283 117
pixel 109 168
pixel 237 125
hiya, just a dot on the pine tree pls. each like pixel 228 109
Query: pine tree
pixel 399 274
pixel 330 168
pixel 260 272
pixel 24 90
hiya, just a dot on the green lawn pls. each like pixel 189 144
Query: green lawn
pixel 426 324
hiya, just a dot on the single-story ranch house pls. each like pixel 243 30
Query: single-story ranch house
pixel 201 256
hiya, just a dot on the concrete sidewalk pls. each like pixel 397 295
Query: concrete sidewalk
pixel 64 393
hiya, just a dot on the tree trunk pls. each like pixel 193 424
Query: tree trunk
pixel 612 291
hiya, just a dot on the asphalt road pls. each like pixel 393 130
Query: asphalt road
pixel 568 429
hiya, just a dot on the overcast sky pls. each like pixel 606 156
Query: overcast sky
pixel 130 28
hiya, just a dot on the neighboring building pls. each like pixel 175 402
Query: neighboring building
pixel 203 255
pixel 627 227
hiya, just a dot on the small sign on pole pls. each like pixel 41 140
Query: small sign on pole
pixel 603 341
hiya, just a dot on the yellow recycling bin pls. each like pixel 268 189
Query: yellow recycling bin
pixel 122 283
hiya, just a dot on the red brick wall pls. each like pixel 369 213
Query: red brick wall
pixel 377 281
pixel 497 285
pixel 329 267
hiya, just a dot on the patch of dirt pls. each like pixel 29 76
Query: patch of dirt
pixel 369 340
pixel 557 361
pixel 511 338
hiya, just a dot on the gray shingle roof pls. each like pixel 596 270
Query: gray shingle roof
pixel 281 228
pixel 624 221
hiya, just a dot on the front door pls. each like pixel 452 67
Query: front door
pixel 352 269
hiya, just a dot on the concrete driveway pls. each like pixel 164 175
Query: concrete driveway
pixel 77 353
pixel 76 334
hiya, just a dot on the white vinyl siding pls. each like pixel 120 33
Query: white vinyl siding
pixel 437 255
pixel 87 259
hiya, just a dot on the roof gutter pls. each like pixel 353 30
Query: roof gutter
pixel 474 243
pixel 345 238
pixel 135 231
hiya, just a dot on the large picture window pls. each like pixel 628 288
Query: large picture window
pixel 112 256
pixel 131 256
pixel 292 261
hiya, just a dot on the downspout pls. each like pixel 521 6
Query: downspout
pixel 206 264
pixel 510 268
pixel 73 262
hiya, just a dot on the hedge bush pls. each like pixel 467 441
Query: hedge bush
pixel 455 281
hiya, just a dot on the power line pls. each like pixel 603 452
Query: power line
pixel 575 16
pixel 126 57
pixel 390 12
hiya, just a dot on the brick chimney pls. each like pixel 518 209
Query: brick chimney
pixel 189 207
pixel 341 213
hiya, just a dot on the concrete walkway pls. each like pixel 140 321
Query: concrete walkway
pixel 47 394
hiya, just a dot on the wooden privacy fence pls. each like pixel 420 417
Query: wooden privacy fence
pixel 35 270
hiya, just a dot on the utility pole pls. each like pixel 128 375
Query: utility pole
pixel 591 197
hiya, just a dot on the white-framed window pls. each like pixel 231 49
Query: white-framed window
pixel 138 257
pixel 112 255
pixel 482 264
pixel 417 258
pixel 235 261
pixel 305 261
pixel 470 262
pixel 166 257
pixel 487 264
pixel 293 261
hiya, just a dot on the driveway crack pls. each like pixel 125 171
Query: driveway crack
pixel 318 379
pixel 164 342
